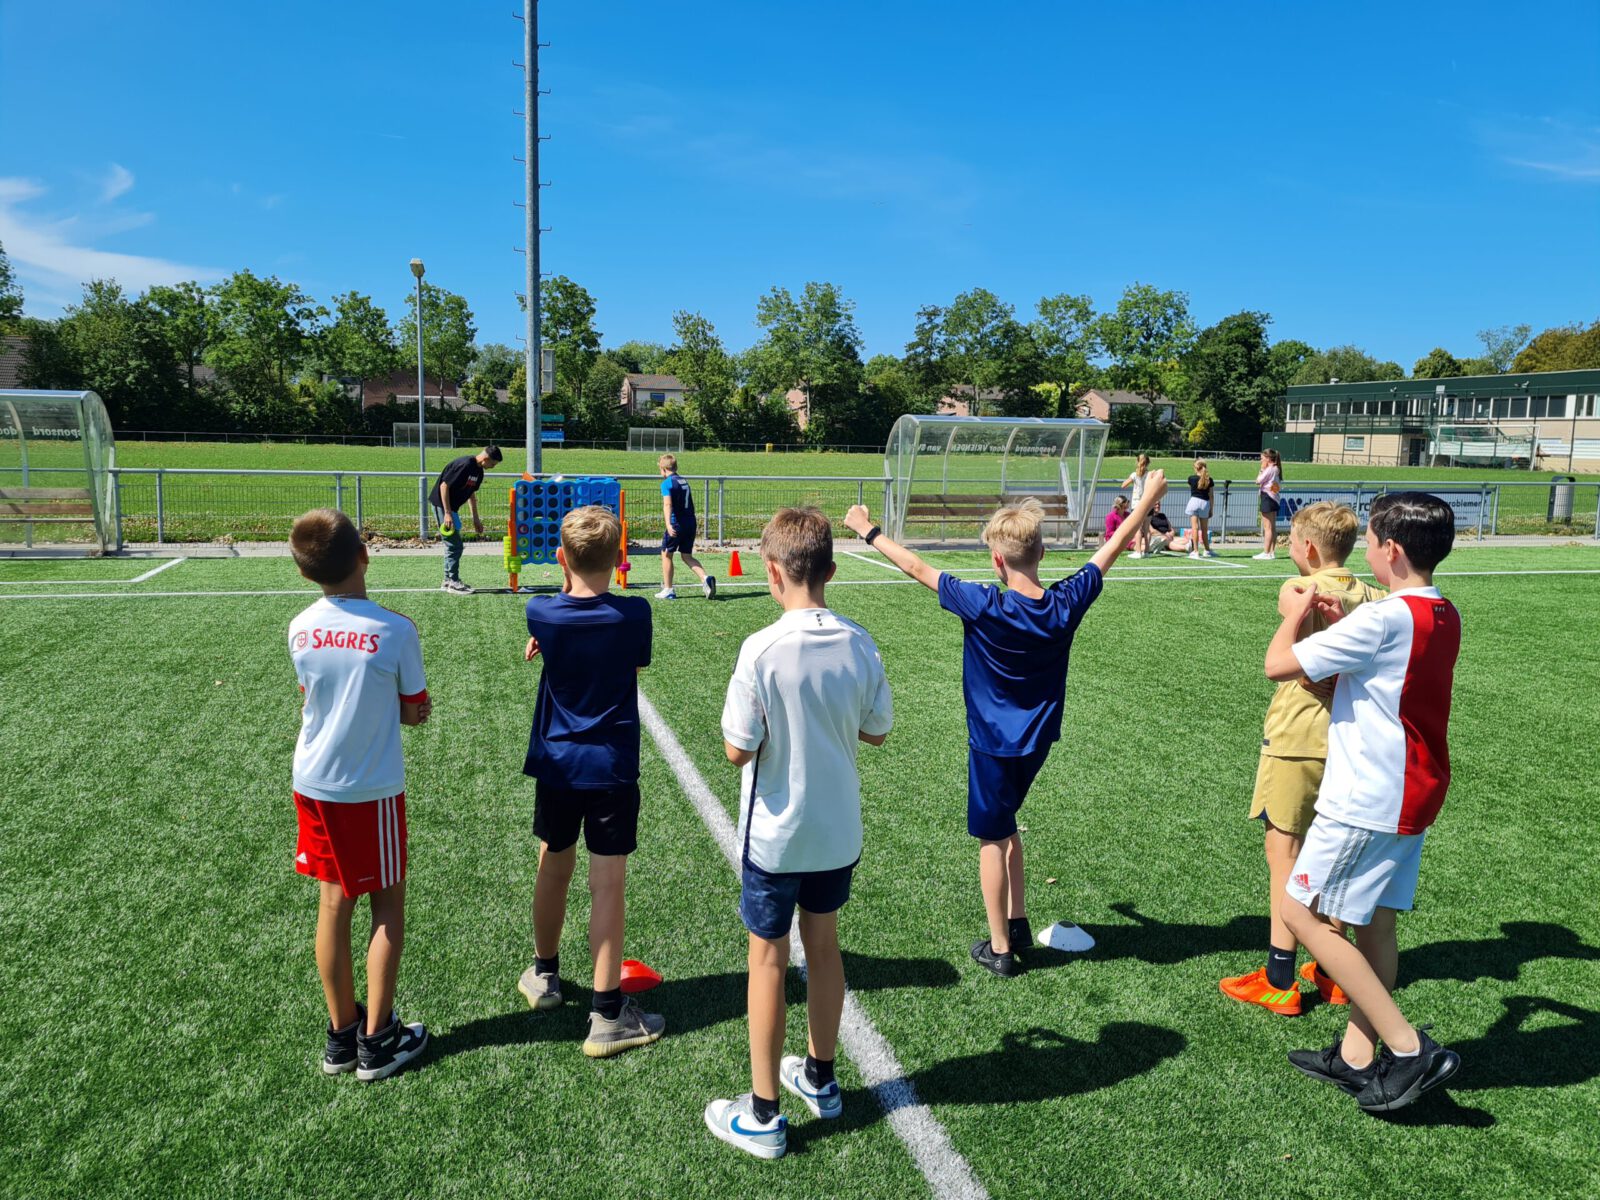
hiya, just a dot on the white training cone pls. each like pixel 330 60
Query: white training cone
pixel 1067 937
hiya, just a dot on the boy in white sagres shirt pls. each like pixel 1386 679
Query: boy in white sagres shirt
pixel 1387 773
pixel 806 689
pixel 360 667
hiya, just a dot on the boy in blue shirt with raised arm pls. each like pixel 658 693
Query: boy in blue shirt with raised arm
pixel 677 510
pixel 1014 680
pixel 584 753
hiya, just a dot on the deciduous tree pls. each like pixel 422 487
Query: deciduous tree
pixel 447 334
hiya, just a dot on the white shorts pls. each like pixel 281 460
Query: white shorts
pixel 1197 507
pixel 1349 873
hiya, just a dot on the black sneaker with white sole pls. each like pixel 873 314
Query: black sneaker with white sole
pixel 1397 1081
pixel 339 1055
pixel 383 1053
pixel 1004 965
pixel 1330 1067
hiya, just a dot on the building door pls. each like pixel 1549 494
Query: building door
pixel 1414 452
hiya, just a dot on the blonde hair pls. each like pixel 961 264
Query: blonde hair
pixel 591 537
pixel 1013 533
pixel 1120 504
pixel 668 462
pixel 1141 464
pixel 1204 472
pixel 1330 527
pixel 800 541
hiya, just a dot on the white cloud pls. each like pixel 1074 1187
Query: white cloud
pixel 1548 146
pixel 52 255
pixel 118 181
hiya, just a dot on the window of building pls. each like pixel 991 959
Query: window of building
pixel 1501 407
pixel 1519 406
pixel 1558 405
pixel 1355 441
pixel 1585 406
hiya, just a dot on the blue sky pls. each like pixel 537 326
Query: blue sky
pixel 1398 176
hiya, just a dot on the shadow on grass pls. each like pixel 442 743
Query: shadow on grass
pixel 687 1004
pixel 1519 943
pixel 1559 1054
pixel 1159 942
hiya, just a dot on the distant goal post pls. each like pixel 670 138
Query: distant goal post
pixel 650 439
pixel 438 435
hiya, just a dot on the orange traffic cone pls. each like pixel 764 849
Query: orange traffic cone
pixel 636 977
pixel 734 569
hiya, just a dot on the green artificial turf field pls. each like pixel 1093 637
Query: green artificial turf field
pixel 163 1020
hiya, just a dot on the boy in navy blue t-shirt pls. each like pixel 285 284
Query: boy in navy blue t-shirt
pixel 583 752
pixel 677 513
pixel 1014 680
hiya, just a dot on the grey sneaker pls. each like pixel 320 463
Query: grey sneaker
pixel 710 587
pixel 455 587
pixel 734 1121
pixel 633 1027
pixel 541 991
pixel 825 1102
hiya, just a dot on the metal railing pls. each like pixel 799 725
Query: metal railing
pixel 156 504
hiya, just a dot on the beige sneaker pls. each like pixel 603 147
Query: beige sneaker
pixel 542 991
pixel 633 1027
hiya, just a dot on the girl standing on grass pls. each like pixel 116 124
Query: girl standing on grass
pixel 1270 480
pixel 1135 481
pixel 1199 510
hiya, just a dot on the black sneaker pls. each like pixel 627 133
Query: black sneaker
pixel 392 1047
pixel 1328 1066
pixel 710 587
pixel 1398 1081
pixel 1004 965
pixel 1021 934
pixel 339 1055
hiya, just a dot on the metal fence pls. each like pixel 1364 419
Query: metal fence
pixel 201 505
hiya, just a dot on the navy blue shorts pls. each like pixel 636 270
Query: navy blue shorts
pixel 607 817
pixel 682 541
pixel 767 899
pixel 996 788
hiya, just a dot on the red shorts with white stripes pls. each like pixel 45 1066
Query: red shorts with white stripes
pixel 361 847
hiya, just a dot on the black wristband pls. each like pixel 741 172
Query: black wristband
pixel 871 534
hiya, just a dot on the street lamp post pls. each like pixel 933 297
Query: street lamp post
pixel 422 419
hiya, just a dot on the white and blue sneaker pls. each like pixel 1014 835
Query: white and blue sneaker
pixel 826 1102
pixel 666 594
pixel 734 1121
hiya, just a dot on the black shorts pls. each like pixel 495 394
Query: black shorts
pixel 1269 505
pixel 609 817
pixel 682 542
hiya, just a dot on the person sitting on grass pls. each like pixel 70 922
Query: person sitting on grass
pixel 1388 771
pixel 1162 537
pixel 360 668
pixel 1014 680
pixel 1294 754
pixel 805 690
pixel 583 753
pixel 677 510
pixel 1114 518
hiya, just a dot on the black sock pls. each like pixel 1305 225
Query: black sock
pixel 1280 968
pixel 547 966
pixel 819 1071
pixel 608 1004
pixel 763 1109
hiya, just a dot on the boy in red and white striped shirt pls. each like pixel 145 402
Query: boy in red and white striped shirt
pixel 1388 770
pixel 360 667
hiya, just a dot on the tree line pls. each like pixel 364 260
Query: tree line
pixel 279 361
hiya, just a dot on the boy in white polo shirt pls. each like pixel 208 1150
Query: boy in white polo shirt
pixel 805 690
pixel 1387 774
pixel 360 667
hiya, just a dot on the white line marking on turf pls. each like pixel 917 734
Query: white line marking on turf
pixel 1191 577
pixel 947 1173
pixel 166 566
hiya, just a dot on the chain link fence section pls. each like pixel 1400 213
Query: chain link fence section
pixel 199 505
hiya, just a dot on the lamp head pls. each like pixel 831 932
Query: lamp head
pixel 416 267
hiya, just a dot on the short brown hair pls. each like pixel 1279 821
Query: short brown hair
pixel 591 536
pixel 800 541
pixel 668 462
pixel 326 545
pixel 1331 527
pixel 1014 534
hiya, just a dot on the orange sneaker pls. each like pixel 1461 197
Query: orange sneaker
pixel 1254 989
pixel 1330 991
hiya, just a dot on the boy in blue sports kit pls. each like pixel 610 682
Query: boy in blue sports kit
pixel 1014 679
pixel 677 511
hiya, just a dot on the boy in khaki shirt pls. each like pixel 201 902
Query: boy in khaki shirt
pixel 1294 751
